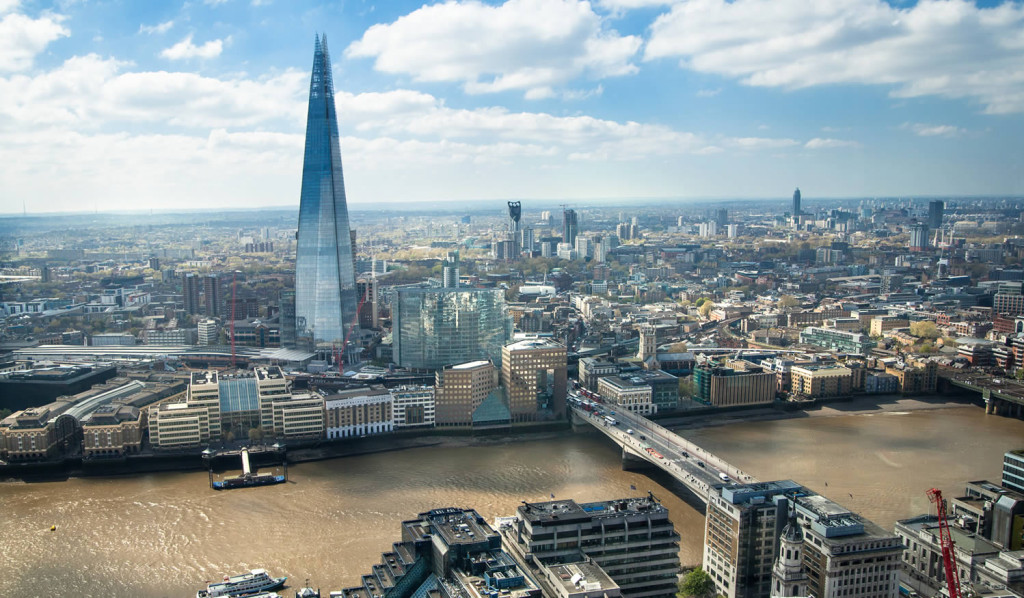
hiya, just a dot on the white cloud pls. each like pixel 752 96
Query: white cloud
pixel 160 28
pixel 22 38
pixel 708 93
pixel 534 46
pixel 214 2
pixel 828 143
pixel 186 49
pixel 927 130
pixel 949 48
pixel 7 6
pixel 90 92
pixel 241 137
pixel 761 143
pixel 619 5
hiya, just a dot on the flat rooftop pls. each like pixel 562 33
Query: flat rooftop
pixel 458 526
pixel 570 510
pixel 573 577
pixel 204 377
pixel 534 343
pixel 470 365
pixel 269 373
pixel 62 373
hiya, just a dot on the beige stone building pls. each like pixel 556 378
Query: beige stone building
pixel 460 389
pixel 271 386
pixel 113 431
pixel 533 373
pixel 299 416
pixel 738 382
pixel 36 433
pixel 179 425
pixel 916 377
pixel 883 324
pixel 359 412
pixel 635 395
pixel 818 382
pixel 204 393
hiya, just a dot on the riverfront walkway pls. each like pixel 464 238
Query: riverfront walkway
pixel 697 469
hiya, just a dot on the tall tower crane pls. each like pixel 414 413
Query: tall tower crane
pixel 946 541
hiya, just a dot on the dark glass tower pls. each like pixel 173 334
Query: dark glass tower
pixel 796 202
pixel 570 227
pixel 325 282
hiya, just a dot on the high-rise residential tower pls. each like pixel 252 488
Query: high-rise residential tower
pixel 570 227
pixel 325 282
pixel 796 202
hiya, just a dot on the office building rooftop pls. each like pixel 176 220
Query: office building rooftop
pixel 581 576
pixel 204 377
pixel 272 372
pixel 457 526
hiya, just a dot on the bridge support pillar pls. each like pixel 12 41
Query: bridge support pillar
pixel 989 405
pixel 631 461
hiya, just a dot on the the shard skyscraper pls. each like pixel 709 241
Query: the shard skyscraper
pixel 325 284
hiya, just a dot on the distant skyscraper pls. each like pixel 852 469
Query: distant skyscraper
pixel 570 227
pixel 325 283
pixel 450 270
pixel 722 217
pixel 918 236
pixel 515 212
pixel 190 291
pixel 935 210
pixel 215 290
pixel 796 202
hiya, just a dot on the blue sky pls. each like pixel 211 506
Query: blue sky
pixel 144 104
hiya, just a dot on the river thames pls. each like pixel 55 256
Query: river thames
pixel 167 534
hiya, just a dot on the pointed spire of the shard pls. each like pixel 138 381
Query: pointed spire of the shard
pixel 325 305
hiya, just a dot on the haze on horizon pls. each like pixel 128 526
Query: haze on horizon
pixel 202 105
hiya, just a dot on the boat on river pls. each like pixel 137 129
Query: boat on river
pixel 248 585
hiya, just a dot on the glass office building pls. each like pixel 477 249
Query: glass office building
pixel 435 327
pixel 325 282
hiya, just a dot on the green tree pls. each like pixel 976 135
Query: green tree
pixel 924 329
pixel 787 302
pixel 255 435
pixel 696 584
pixel 686 388
pixel 706 307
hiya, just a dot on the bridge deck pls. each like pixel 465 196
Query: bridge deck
pixel 694 467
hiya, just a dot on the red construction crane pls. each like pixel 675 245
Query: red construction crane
pixel 946 541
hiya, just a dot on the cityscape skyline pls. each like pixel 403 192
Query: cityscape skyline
pixel 115 102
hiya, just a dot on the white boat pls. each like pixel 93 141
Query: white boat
pixel 249 585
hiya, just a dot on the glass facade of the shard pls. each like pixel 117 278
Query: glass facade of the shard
pixel 325 284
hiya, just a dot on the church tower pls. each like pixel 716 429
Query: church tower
pixel 789 578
